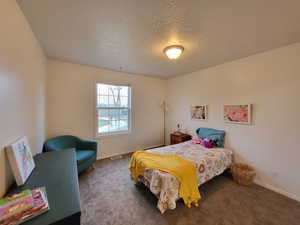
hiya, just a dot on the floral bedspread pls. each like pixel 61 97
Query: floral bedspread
pixel 209 163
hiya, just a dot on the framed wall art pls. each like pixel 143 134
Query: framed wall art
pixel 199 112
pixel 240 114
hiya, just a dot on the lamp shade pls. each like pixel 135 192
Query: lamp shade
pixel 173 51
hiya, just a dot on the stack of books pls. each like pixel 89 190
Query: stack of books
pixel 23 206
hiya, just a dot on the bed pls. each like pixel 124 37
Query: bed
pixel 209 162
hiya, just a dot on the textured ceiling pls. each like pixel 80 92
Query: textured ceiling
pixel 129 35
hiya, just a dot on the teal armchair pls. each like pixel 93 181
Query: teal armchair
pixel 86 151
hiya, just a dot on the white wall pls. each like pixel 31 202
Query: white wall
pixel 22 85
pixel 71 106
pixel 271 82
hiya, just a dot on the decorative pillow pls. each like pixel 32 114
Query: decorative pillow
pixel 215 142
pixel 209 133
pixel 209 143
pixel 196 140
pixel 206 144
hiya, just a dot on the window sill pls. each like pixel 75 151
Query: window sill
pixel 111 135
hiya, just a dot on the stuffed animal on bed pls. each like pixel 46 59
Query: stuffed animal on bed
pixel 207 143
pixel 196 140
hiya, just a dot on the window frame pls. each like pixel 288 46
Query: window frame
pixel 129 108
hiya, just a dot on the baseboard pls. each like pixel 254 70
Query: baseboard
pixel 278 190
pixel 126 153
pixel 112 156
pixel 157 146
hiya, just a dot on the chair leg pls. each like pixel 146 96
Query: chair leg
pixel 93 166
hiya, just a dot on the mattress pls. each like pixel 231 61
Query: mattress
pixel 209 162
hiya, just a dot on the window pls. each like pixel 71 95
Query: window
pixel 113 109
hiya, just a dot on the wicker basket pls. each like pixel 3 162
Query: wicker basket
pixel 242 173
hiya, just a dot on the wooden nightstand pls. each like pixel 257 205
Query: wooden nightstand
pixel 178 138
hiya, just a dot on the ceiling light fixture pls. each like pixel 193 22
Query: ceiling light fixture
pixel 173 51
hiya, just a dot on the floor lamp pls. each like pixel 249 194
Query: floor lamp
pixel 164 107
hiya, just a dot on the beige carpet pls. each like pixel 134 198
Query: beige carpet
pixel 108 197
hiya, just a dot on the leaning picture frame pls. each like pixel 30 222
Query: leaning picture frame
pixel 20 159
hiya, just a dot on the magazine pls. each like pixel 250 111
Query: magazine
pixel 23 206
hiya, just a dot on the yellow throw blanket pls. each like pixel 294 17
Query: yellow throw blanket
pixel 182 169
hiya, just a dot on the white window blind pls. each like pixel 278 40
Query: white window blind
pixel 113 109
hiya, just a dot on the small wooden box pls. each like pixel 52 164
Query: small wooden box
pixel 178 138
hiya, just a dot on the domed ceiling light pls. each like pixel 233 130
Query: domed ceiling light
pixel 173 51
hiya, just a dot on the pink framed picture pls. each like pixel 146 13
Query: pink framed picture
pixel 240 114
